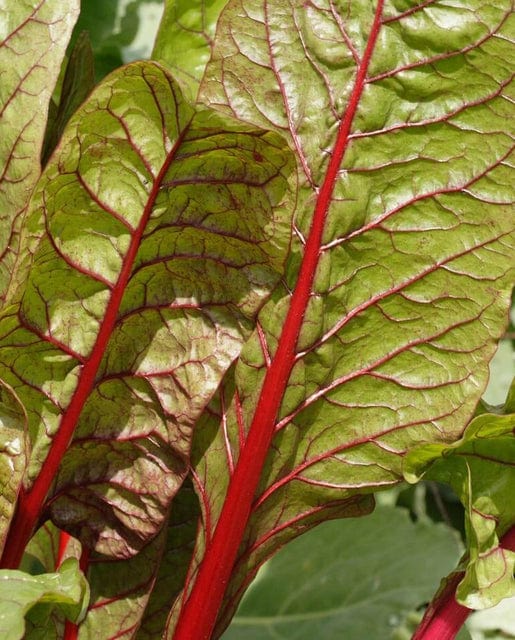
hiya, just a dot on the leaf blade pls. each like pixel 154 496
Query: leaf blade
pixel 161 238
pixel 33 43
pixel 185 37
pixel 360 575
pixel 67 589
pixel 408 271
pixel 479 467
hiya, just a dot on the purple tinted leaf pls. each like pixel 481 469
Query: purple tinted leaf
pixel 174 563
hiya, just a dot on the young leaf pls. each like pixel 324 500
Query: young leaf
pixel 398 280
pixel 162 230
pixel 19 592
pixel 33 39
pixel 357 578
pixel 480 469
pixel 185 38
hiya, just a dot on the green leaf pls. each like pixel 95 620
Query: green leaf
pixel 66 589
pixel 120 590
pixel 173 564
pixel 185 38
pixel 34 35
pixel 480 469
pixel 356 578
pixel 161 230
pixel 78 81
pixel 401 266
pixel 131 598
pixel 13 454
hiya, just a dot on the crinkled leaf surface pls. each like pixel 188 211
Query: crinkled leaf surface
pixel 355 578
pixel 480 467
pixel 162 230
pixel 131 598
pixel 33 39
pixel 13 454
pixel 185 37
pixel 19 592
pixel 399 276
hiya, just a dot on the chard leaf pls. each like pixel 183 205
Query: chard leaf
pixel 480 469
pixel 33 39
pixel 120 590
pixel 161 230
pixel 131 598
pixel 357 577
pixel 399 276
pixel 185 37
pixel 13 454
pixel 173 565
pixel 66 589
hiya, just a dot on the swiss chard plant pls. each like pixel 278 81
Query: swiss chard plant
pixel 246 285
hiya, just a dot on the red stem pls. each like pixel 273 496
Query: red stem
pixel 64 539
pixel 444 617
pixel 200 611
pixel 31 502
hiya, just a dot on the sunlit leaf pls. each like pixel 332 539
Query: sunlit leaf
pixel 401 266
pixel 185 38
pixel 33 39
pixel 162 229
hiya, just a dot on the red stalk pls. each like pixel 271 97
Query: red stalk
pixel 200 611
pixel 31 501
pixel 64 539
pixel 444 617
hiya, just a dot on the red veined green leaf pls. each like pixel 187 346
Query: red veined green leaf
pixel 185 38
pixel 161 230
pixel 14 450
pixel 398 280
pixel 481 469
pixel 33 39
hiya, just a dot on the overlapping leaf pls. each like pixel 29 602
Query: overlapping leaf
pixel 481 469
pixel 33 39
pixel 13 455
pixel 397 113
pixel 66 589
pixel 185 37
pixel 164 229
